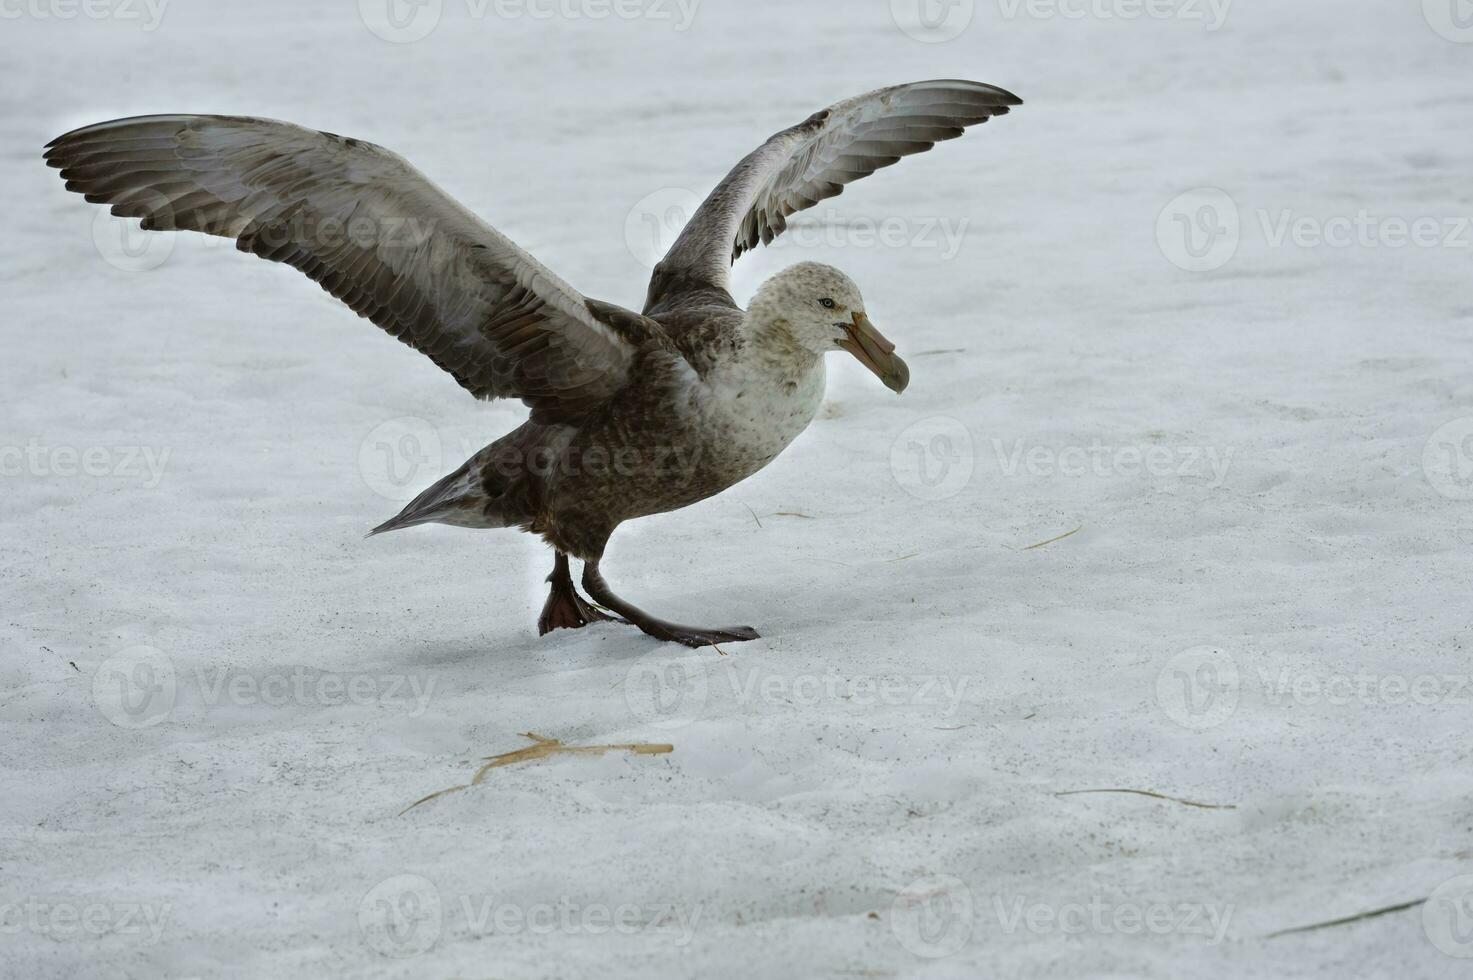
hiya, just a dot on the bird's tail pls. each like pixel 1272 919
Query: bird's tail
pixel 457 499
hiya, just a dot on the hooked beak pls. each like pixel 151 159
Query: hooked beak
pixel 872 350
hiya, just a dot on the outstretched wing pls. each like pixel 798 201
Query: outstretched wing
pixel 375 233
pixel 813 160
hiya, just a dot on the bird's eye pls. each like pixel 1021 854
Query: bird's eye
pixel 827 304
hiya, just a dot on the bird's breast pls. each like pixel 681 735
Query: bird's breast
pixel 751 416
pixel 699 438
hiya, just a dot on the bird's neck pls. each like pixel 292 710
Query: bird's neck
pixel 770 348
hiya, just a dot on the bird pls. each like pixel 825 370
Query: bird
pixel 631 414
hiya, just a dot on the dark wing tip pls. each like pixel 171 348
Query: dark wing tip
pixel 81 131
pixel 999 96
pixel 81 134
pixel 56 148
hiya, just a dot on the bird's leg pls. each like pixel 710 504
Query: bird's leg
pixel 691 636
pixel 565 608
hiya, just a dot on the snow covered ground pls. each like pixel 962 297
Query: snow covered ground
pixel 1205 298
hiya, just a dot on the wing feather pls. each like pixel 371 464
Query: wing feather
pixel 375 233
pixel 809 163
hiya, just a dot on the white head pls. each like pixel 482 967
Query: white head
pixel 823 310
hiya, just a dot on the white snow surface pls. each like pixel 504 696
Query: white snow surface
pixel 218 697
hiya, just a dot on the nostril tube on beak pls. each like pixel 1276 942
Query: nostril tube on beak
pixel 871 349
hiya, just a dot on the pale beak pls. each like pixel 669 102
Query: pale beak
pixel 876 353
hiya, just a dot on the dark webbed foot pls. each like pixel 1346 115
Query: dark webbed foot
pixel 565 609
pixel 691 636
pixel 569 611
pixel 694 636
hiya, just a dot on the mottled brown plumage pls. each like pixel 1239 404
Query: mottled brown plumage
pixel 631 413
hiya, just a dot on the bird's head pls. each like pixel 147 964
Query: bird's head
pixel 823 310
